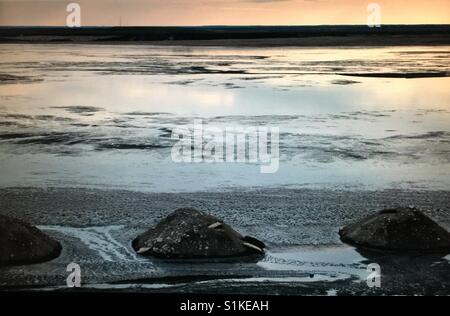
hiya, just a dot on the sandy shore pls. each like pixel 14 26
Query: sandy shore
pixel 299 226
pixel 256 212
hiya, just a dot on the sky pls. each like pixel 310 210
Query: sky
pixel 222 12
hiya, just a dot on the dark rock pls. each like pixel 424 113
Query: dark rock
pixel 399 229
pixel 21 243
pixel 254 241
pixel 191 234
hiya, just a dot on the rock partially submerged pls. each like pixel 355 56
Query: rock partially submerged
pixel 21 243
pixel 399 229
pixel 191 234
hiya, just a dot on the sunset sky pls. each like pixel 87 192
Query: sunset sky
pixel 223 12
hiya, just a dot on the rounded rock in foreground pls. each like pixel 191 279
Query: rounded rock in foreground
pixel 191 234
pixel 21 243
pixel 399 229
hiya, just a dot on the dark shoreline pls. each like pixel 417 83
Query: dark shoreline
pixel 299 226
pixel 247 209
pixel 246 36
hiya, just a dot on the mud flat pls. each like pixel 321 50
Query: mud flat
pixel 299 226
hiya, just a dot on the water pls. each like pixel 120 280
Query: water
pixel 102 115
pixel 295 266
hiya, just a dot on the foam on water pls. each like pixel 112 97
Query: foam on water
pixel 304 264
pixel 100 240
pixel 319 261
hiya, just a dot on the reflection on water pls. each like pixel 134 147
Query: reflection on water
pixel 88 115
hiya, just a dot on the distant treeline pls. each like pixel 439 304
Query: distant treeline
pixel 211 32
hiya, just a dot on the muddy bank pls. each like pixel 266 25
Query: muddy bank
pixel 306 270
pixel 276 216
pixel 300 227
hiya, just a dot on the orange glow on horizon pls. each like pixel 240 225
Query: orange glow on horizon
pixel 223 12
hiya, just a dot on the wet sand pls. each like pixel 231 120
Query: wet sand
pixel 305 255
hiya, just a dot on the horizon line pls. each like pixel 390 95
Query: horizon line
pixel 213 25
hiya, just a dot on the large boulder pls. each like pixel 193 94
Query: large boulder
pixel 21 243
pixel 191 234
pixel 399 229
